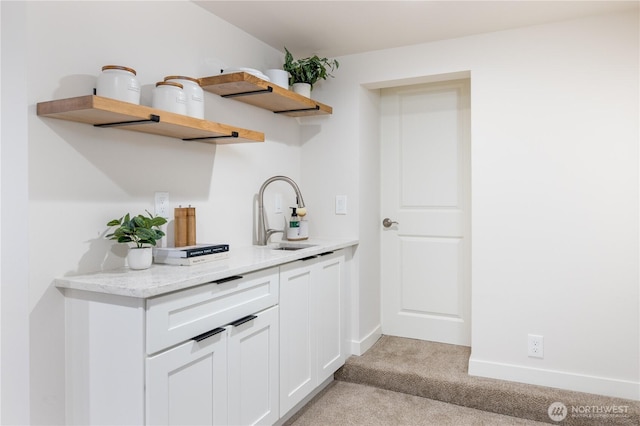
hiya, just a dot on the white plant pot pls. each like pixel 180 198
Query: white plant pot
pixel 303 89
pixel 140 258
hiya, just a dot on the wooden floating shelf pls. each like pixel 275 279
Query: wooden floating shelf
pixel 247 88
pixel 106 112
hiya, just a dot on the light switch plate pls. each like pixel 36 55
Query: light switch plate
pixel 341 204
pixel 278 204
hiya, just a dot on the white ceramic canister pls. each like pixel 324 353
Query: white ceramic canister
pixel 119 83
pixel 193 92
pixel 169 96
pixel 279 77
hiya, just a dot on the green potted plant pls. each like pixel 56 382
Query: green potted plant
pixel 141 231
pixel 304 73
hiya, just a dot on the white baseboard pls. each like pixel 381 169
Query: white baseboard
pixel 361 346
pixel 555 379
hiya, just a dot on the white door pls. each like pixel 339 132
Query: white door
pixel 425 165
pixel 187 385
pixel 327 319
pixel 297 347
pixel 253 370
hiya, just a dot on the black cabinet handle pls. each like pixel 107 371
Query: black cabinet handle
pixel 208 334
pixel 241 321
pixel 304 259
pixel 225 280
pixel 326 253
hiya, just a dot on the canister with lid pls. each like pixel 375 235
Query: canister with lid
pixel 193 93
pixel 118 82
pixel 169 96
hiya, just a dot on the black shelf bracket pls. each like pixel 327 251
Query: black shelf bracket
pixel 232 135
pixel 316 108
pixel 269 89
pixel 152 119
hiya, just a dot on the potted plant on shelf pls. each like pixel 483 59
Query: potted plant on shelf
pixel 304 73
pixel 143 232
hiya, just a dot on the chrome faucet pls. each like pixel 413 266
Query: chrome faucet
pixel 263 232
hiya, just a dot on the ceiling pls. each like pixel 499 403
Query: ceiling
pixel 336 28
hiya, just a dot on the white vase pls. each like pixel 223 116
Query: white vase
pixel 140 258
pixel 303 89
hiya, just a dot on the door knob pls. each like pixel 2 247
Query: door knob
pixel 386 222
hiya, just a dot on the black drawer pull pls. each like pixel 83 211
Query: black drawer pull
pixel 326 253
pixel 241 321
pixel 304 259
pixel 225 280
pixel 208 334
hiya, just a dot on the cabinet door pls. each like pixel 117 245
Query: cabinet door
pixel 254 370
pixel 297 348
pixel 326 294
pixel 187 385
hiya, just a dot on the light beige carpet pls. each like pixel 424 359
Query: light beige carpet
pixel 436 372
pixel 344 403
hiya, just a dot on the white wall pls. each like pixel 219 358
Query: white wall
pixel 14 342
pixel 80 176
pixel 332 165
pixel 555 179
pixel 555 193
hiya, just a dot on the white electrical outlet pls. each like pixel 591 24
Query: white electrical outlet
pixel 535 346
pixel 162 204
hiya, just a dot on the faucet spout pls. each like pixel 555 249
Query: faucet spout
pixel 263 232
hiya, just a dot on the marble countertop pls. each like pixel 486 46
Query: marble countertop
pixel 161 279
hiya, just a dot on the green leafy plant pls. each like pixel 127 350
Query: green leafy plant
pixel 139 229
pixel 308 70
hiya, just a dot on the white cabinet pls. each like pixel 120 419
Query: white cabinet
pixel 297 347
pixel 242 350
pixel 253 370
pixel 327 302
pixel 207 355
pixel 229 376
pixel 187 385
pixel 310 325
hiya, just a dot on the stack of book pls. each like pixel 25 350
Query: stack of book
pixel 190 255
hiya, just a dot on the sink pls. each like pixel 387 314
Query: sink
pixel 291 246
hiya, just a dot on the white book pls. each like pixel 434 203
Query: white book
pixel 188 261
pixel 190 251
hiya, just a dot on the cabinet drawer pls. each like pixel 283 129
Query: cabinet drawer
pixel 176 317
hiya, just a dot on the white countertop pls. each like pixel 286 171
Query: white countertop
pixel 161 279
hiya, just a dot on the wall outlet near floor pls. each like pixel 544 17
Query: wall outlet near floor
pixel 535 346
pixel 162 204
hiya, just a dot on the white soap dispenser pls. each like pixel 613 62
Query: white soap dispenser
pixel 293 229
